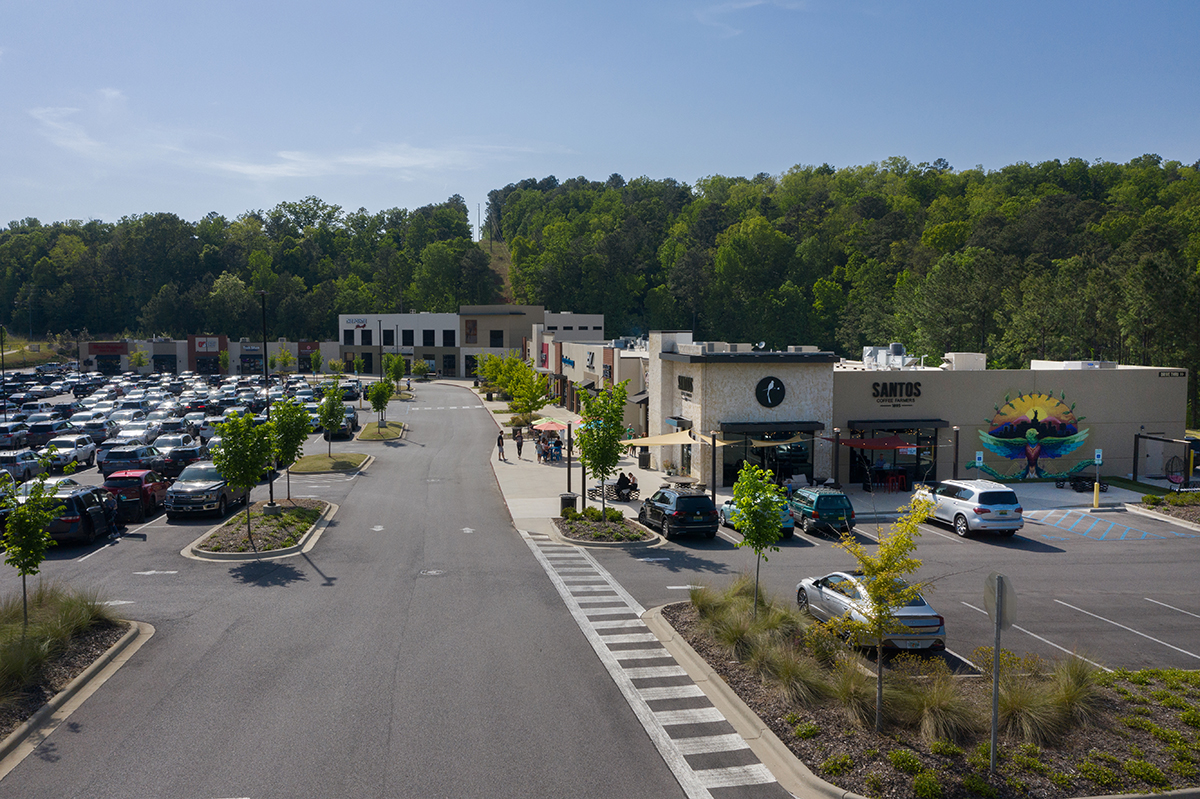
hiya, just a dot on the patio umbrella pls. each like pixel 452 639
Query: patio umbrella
pixel 551 424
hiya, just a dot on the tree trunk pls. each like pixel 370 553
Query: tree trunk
pixel 879 685
pixel 249 535
pixel 757 566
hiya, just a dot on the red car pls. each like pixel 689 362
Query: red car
pixel 150 487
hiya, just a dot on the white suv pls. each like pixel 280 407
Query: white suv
pixel 972 505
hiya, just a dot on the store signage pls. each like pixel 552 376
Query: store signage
pixel 591 360
pixel 251 347
pixel 357 321
pixel 568 361
pixel 607 372
pixel 208 344
pixel 896 394
pixel 108 347
pixel 1172 373
pixel 770 392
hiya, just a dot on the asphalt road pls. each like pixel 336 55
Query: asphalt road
pixel 419 650
pixel 1115 587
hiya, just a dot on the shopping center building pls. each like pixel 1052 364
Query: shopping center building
pixel 809 414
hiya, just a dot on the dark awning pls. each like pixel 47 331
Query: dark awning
pixel 754 428
pixel 588 386
pixel 894 424
pixel 640 398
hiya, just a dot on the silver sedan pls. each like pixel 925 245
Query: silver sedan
pixel 842 593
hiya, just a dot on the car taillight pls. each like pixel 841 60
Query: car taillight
pixel 941 621
pixel 980 511
pixel 70 519
pixel 1018 510
pixel 816 513
pixel 677 514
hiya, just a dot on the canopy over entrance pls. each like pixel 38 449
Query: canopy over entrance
pixel 665 440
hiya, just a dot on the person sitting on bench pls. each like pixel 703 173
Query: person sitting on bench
pixel 623 487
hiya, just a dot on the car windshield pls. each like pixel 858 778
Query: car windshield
pixel 200 473
pixel 62 443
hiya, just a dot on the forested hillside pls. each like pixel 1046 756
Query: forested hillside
pixel 1070 260
pixel 157 274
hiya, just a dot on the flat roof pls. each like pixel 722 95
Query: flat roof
pixel 736 357
pixel 750 428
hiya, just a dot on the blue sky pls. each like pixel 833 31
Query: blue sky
pixel 117 108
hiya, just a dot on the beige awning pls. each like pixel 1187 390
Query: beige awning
pixel 796 439
pixel 666 440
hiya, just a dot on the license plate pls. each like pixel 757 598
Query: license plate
pixel 697 518
pixel 914 644
pixel 1002 513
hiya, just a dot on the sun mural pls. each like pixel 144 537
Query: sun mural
pixel 1033 427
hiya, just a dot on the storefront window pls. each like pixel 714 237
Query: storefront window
pixel 915 463
pixel 791 457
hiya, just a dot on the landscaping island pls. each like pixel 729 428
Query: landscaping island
pixel 271 531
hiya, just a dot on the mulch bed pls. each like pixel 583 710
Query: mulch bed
pixel 268 533
pixel 58 673
pixel 586 530
pixel 1188 513
pixel 1018 774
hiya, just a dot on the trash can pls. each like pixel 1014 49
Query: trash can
pixel 567 501
pixel 644 458
pixel 489 396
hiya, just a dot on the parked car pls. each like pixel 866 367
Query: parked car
pixel 167 442
pixel 21 464
pixel 819 508
pixel 70 449
pixel 127 415
pixel 845 593
pixel 83 516
pixel 179 458
pixel 100 429
pixel 137 456
pixel 14 434
pixel 145 429
pixel 674 510
pixel 200 488
pixel 145 485
pixel 974 505
pixel 729 516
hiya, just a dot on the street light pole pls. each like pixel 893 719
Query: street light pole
pixel 3 376
pixel 262 296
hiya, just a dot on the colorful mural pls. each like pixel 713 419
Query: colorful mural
pixel 1034 427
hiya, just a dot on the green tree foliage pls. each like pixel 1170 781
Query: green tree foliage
pixel 600 432
pixel 316 359
pixel 25 534
pixel 244 453
pixel 759 504
pixel 284 360
pixel 290 427
pixel 138 359
pixel 223 360
pixel 886 576
pixel 393 367
pixel 359 365
pixel 331 412
pixel 380 394
pixel 420 368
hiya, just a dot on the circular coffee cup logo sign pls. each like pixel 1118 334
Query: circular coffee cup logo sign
pixel 770 392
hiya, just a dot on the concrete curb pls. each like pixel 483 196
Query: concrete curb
pixel 89 679
pixel 1163 517
pixel 307 541
pixel 654 541
pixel 790 772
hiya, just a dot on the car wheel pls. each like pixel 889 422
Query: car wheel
pixel 802 599
pixel 666 530
pixel 1008 533
pixel 91 461
pixel 725 520
pixel 711 534
pixel 806 525
pixel 788 532
pixel 171 517
pixel 960 526
pixel 221 508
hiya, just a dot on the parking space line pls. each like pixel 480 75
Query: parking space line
pixel 1172 607
pixel 1130 629
pixel 927 529
pixel 1044 641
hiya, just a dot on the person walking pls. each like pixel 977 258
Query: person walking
pixel 500 445
pixel 519 440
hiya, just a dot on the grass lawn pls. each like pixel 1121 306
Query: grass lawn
pixel 338 462
pixel 373 431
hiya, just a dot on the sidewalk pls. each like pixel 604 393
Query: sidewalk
pixel 532 490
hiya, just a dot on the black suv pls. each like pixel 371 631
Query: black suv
pixel 673 510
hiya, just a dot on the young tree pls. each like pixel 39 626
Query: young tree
pixel 244 452
pixel 336 368
pixel 359 365
pixel 885 578
pixel 291 426
pixel 25 536
pixel 529 391
pixel 759 504
pixel 332 412
pixel 420 368
pixel 600 433
pixel 380 393
pixel 394 368
pixel 271 359
pixel 284 360
pixel 316 359
pixel 138 359
pixel 223 359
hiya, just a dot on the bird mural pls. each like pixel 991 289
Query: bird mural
pixel 1034 427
